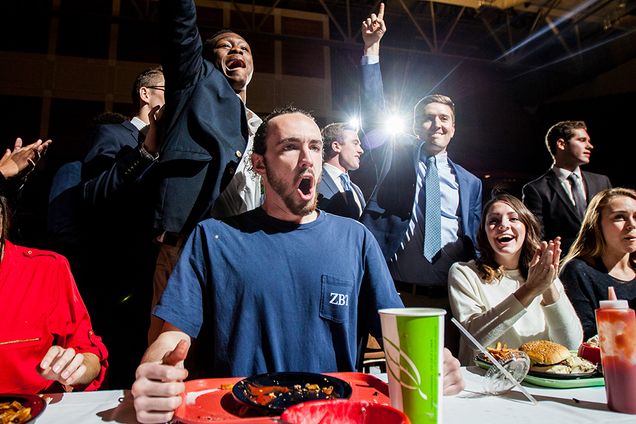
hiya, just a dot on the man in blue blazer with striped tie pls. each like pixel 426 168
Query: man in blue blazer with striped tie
pixel 337 194
pixel 424 209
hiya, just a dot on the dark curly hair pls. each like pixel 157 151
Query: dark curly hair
pixel 5 220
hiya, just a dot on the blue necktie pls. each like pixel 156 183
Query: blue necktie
pixel 432 211
pixel 346 182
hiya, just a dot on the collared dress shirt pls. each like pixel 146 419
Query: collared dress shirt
pixel 243 192
pixel 563 175
pixel 334 173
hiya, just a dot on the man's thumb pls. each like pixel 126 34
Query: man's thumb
pixel 178 354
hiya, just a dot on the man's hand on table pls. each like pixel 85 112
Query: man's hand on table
pixel 158 386
pixel 453 380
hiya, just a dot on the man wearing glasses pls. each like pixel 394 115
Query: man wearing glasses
pixel 119 256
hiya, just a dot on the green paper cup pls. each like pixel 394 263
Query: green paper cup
pixel 414 349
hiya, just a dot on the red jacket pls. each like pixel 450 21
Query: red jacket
pixel 40 306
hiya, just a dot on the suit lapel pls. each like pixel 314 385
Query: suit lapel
pixel 134 132
pixel 464 198
pixel 591 186
pixel 329 183
pixel 555 185
pixel 360 195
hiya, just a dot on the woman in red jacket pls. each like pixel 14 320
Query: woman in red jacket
pixel 46 340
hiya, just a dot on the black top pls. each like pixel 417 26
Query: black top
pixel 586 286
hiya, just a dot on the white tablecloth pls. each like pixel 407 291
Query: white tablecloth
pixel 469 407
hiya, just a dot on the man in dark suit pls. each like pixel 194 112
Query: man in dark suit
pixel 423 208
pixel 559 197
pixel 118 253
pixel 203 167
pixel 342 151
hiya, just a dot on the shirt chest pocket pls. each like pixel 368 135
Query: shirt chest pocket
pixel 336 300
pixel 25 337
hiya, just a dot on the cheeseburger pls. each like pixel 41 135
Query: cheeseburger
pixel 553 358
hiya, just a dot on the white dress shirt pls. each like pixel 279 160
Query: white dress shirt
pixel 334 173
pixel 563 175
pixel 243 192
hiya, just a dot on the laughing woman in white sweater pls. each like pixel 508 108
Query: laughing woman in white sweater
pixel 512 293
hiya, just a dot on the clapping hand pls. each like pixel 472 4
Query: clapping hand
pixel 21 159
pixel 544 269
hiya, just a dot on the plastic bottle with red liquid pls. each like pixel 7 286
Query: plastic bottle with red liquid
pixel 616 325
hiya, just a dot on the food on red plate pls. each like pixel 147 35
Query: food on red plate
pixel 553 358
pixel 263 395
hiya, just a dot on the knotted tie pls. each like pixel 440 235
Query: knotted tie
pixel 432 211
pixel 346 182
pixel 577 194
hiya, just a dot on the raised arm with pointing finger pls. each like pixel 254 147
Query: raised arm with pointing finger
pixel 424 209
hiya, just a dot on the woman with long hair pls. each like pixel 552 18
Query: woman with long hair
pixel 46 340
pixel 603 255
pixel 512 294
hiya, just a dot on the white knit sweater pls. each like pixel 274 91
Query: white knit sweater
pixel 492 313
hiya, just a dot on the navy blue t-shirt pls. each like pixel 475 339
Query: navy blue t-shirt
pixel 263 295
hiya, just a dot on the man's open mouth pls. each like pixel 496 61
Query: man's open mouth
pixel 235 63
pixel 306 187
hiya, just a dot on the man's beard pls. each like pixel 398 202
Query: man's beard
pixel 296 206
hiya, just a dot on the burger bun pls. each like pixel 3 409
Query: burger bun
pixel 545 352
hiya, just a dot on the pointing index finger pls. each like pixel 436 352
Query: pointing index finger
pixel 381 11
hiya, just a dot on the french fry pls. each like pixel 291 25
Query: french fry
pixel 14 413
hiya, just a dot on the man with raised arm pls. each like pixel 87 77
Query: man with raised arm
pixel 426 209
pixel 204 161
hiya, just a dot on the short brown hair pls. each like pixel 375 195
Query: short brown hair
pixel 334 132
pixel 435 98
pixel 562 130
pixel 260 142
pixel 147 78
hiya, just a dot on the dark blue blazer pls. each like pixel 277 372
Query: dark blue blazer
pixel 118 187
pixel 332 200
pixel 104 169
pixel 206 128
pixel 391 177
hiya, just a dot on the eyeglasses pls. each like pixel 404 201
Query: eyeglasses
pixel 157 87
